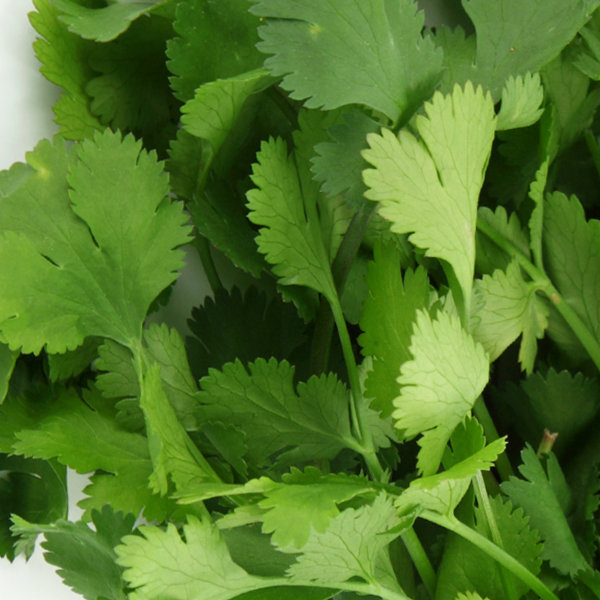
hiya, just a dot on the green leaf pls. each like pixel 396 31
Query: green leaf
pixel 522 98
pixel 85 557
pixel 283 424
pixel 536 221
pixel 505 47
pixel 571 250
pixel 459 56
pixel 159 564
pixel 173 453
pixel 215 107
pixel 288 238
pixel 74 268
pixel 215 40
pixel 70 364
pixel 430 187
pixel 220 331
pixel 387 322
pixel 65 62
pixel 465 567
pixel 334 53
pixel 440 385
pixel 354 544
pixel 8 359
pixel 543 495
pixel 100 24
pixel 505 307
pixel 442 492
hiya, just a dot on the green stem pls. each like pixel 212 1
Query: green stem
pixel 284 105
pixel 502 557
pixel 484 502
pixel 592 145
pixel 420 560
pixel 203 247
pixel 587 339
pixel 491 433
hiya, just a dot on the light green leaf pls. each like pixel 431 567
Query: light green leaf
pixel 69 364
pixel 505 46
pixel 283 424
pixel 505 306
pixel 440 384
pixel 215 107
pixel 542 496
pixel 334 53
pixel 387 322
pixel 173 453
pixel 85 557
pixel 8 359
pixel 442 492
pixel 88 260
pixel 159 564
pixel 288 239
pixel 214 40
pixel 100 24
pixel 353 545
pixel 536 221
pixel 430 187
pixel 522 98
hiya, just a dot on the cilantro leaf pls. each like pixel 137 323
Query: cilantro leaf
pixel 100 24
pixel 464 567
pixel 387 322
pixel 85 557
pixel 543 495
pixel 521 101
pixel 8 359
pixel 288 239
pixel 159 563
pixel 459 56
pixel 281 424
pixel 353 545
pixel 505 45
pixel 506 306
pixel 536 220
pixel 439 385
pixel 215 40
pixel 70 364
pixel 332 54
pixel 65 62
pixel 89 274
pixel 430 187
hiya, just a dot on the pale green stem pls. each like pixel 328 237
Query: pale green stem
pixel 420 560
pixel 500 556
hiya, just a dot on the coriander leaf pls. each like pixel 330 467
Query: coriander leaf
pixel 70 364
pixel 212 112
pixel 430 187
pixel 439 385
pixel 215 40
pixel 100 24
pixel 8 359
pixel 288 238
pixel 572 259
pixel 87 260
pixel 65 62
pixel 459 56
pixel 334 53
pixel 469 596
pixel 353 545
pixel 505 44
pixel 505 306
pixel 245 326
pixel 173 453
pixel 338 163
pixel 387 322
pixel 465 567
pixel 536 220
pixel 283 425
pixel 587 56
pixel 85 558
pixel 160 564
pixel 442 492
pixel 542 495
pixel 522 98
pixel 189 158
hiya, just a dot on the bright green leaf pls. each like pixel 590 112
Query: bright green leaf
pixel 536 221
pixel 430 187
pixel 522 98
pixel 440 385
pixel 334 53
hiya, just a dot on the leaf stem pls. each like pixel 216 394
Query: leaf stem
pixel 203 247
pixel 498 554
pixel 543 283
pixel 420 560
